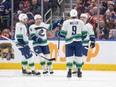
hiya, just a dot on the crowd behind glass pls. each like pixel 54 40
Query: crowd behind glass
pixel 107 14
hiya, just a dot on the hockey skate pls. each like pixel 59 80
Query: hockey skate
pixel 35 72
pixel 45 71
pixel 51 71
pixel 69 74
pixel 79 74
pixel 75 71
pixel 25 72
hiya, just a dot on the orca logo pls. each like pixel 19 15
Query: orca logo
pixel 41 32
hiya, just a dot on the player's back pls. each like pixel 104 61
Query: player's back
pixel 73 27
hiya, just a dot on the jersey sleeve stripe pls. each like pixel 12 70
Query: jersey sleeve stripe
pixel 63 32
pixel 19 36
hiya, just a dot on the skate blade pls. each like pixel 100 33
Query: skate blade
pixel 46 74
pixel 74 72
pixel 36 75
pixel 69 78
pixel 26 74
pixel 79 78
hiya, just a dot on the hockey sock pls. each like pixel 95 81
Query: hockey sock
pixel 49 63
pixel 69 65
pixel 79 65
pixel 83 59
pixel 43 64
pixel 79 62
pixel 31 64
pixel 24 64
pixel 74 64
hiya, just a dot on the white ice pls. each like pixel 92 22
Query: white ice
pixel 14 78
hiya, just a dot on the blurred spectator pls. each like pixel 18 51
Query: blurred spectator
pixel 94 10
pixel 27 2
pixel 4 7
pixel 111 25
pixel 46 4
pixel 107 17
pixel 79 7
pixel 35 7
pixel 54 4
pixel 20 8
pixel 103 31
pixel 95 18
pixel 6 33
pixel 4 14
pixel 18 4
pixel 112 33
pixel 108 6
pixel 109 21
pixel 29 14
pixel 103 6
pixel 50 4
pixel 93 4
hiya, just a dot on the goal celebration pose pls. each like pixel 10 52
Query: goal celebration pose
pixel 40 45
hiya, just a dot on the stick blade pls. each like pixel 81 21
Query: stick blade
pixel 52 59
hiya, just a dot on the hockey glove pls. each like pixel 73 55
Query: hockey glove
pixel 92 44
pixel 26 47
pixel 39 40
pixel 56 33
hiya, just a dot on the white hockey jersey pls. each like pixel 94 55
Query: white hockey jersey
pixel 21 32
pixel 40 31
pixel 73 29
pixel 90 34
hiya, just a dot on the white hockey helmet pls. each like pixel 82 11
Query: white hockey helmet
pixel 22 17
pixel 84 15
pixel 37 16
pixel 73 13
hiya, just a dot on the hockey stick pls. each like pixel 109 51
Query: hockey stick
pixel 51 59
pixel 88 49
pixel 58 45
pixel 59 37
pixel 30 50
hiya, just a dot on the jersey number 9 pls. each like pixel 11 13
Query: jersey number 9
pixel 74 30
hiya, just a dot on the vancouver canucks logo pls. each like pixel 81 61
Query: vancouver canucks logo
pixel 41 32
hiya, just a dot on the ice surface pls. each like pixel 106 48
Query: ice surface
pixel 14 78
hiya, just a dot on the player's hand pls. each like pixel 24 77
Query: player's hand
pixel 56 33
pixel 92 44
pixel 62 20
pixel 39 40
pixel 26 47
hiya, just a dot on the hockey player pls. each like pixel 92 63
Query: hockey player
pixel 89 41
pixel 90 36
pixel 22 43
pixel 39 36
pixel 73 32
